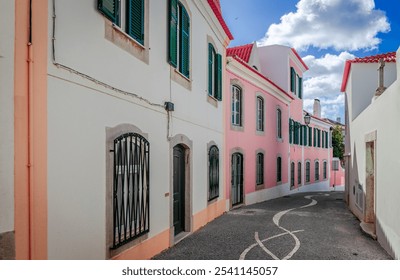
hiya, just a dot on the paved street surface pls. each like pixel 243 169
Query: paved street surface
pixel 307 226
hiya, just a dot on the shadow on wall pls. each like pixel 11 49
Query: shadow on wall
pixel 384 240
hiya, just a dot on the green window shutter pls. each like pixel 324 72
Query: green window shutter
pixel 301 135
pixel 305 135
pixel 300 87
pixel 135 19
pixel 292 79
pixel 319 138
pixel 315 137
pixel 310 136
pixel 290 131
pixel 110 9
pixel 326 139
pixel 185 44
pixel 173 32
pixel 219 77
pixel 210 68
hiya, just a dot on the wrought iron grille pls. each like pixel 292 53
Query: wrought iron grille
pixel 213 161
pixel 130 188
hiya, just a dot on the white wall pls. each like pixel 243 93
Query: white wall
pixel 365 82
pixel 275 64
pixel 79 112
pixel 7 115
pixel 381 117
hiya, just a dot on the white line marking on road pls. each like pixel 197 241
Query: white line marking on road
pixel 276 219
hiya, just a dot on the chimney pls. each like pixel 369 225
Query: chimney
pixel 338 119
pixel 317 108
pixel 381 88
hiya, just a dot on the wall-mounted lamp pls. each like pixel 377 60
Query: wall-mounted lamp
pixel 307 119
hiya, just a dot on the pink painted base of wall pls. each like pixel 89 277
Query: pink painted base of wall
pixel 207 215
pixel 146 249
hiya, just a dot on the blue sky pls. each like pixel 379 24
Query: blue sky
pixel 325 33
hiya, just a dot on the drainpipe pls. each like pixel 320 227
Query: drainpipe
pixel 30 131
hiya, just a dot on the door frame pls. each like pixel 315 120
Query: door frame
pixel 232 152
pixel 187 144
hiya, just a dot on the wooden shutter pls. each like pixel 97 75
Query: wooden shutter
pixel 290 131
pixel 310 136
pixel 292 79
pixel 210 69
pixel 300 87
pixel 219 77
pixel 110 9
pixel 135 19
pixel 185 44
pixel 173 32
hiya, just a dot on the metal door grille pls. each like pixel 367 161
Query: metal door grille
pixel 130 188
pixel 237 179
pixel 213 158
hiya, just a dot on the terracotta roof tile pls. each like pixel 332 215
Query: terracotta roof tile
pixel 243 52
pixel 388 57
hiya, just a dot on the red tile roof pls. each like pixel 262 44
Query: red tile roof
pixel 387 57
pixel 216 7
pixel 243 52
pixel 242 62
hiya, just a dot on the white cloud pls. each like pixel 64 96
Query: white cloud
pixel 339 24
pixel 323 81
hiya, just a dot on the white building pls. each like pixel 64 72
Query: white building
pixel 372 149
pixel 120 152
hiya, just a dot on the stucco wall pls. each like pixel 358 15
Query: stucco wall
pixel 79 112
pixel 7 15
pixel 387 194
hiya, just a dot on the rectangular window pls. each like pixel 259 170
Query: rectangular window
pixel 307 171
pixel 236 106
pixel 310 130
pixel 214 73
pixel 300 83
pixel 179 37
pixel 260 169
pixel 213 172
pixel 316 171
pixel 260 114
pixel 278 169
pixel 279 124
pixel 127 14
pixel 325 169
pixel 292 80
pixel 299 173
pixel 292 175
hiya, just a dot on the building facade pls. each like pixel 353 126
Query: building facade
pixel 271 151
pixel 117 145
pixel 371 146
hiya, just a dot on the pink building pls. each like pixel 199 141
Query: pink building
pixel 271 152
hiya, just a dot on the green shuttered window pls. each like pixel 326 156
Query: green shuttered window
pixel 292 79
pixel 214 73
pixel 132 21
pixel 179 37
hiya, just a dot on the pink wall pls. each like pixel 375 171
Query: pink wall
pixel 249 140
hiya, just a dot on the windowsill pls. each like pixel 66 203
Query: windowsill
pixel 260 187
pixel 279 183
pixel 181 79
pixel 212 100
pixel 279 139
pixel 237 127
pixel 121 39
pixel 260 132
pixel 213 200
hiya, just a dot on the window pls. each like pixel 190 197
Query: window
pixel 296 83
pixel 317 171
pixel 307 171
pixel 236 106
pixel 214 73
pixel 130 192
pixel 291 129
pixel 260 169
pixel 279 123
pixel 292 175
pixel 324 170
pixel 323 139
pixel 310 136
pixel 127 14
pixel 299 173
pixel 279 169
pixel 260 114
pixel 179 37
pixel 213 171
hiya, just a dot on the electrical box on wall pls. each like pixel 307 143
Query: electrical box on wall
pixel 169 106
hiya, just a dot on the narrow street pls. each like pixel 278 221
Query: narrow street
pixel 306 226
